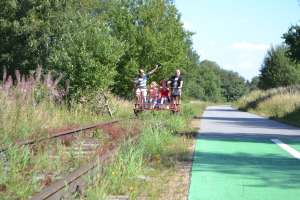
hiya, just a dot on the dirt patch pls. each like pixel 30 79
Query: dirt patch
pixel 117 132
pixel 179 182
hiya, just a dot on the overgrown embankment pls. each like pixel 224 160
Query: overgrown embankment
pixel 281 103
pixel 36 105
pixel 150 167
pixel 33 107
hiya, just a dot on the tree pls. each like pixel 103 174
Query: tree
pixel 230 85
pixel 292 40
pixel 278 70
pixel 67 36
pixel 86 51
pixel 233 86
pixel 151 32
pixel 209 81
pixel 102 44
pixel 253 84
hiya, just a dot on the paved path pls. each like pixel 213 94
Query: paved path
pixel 235 158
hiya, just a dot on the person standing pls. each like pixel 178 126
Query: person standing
pixel 141 84
pixel 176 83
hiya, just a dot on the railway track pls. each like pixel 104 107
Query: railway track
pixel 97 154
pixel 75 183
pixel 62 133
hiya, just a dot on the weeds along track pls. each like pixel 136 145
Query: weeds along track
pixel 74 183
pixel 78 152
pixel 61 134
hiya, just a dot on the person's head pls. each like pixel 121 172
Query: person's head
pixel 163 83
pixel 141 72
pixel 177 72
pixel 153 84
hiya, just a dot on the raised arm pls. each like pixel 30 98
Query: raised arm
pixel 153 70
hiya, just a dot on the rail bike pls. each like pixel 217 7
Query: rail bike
pixel 146 103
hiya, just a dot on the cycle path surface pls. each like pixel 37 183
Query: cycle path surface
pixel 239 155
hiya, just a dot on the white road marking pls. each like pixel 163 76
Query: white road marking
pixel 287 148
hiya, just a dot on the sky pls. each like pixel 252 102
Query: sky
pixel 237 33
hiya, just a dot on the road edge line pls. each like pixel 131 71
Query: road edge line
pixel 287 148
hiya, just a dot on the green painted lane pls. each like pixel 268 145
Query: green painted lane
pixel 227 168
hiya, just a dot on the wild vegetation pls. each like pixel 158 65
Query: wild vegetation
pixel 281 103
pixel 101 45
pixel 275 92
pixel 34 105
pixel 144 169
pixel 25 171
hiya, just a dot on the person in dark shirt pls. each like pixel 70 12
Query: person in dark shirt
pixel 176 83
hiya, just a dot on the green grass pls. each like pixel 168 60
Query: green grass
pixel 22 169
pixel 23 120
pixel 282 104
pixel 25 170
pixel 143 168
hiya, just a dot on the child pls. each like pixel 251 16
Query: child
pixel 164 92
pixel 153 94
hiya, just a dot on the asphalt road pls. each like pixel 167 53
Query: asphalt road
pixel 241 156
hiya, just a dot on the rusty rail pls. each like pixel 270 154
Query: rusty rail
pixel 75 182
pixel 61 133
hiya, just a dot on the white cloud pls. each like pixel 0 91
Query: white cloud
pixel 247 68
pixel 249 46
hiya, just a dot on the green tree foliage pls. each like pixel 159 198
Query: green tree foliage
pixel 96 43
pixel 86 51
pixel 25 32
pixel 278 70
pixel 211 83
pixel 68 36
pixel 152 32
pixel 292 40
pixel 233 85
pixel 102 44
pixel 253 84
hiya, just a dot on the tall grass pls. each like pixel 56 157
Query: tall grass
pixel 137 170
pixel 30 107
pixel 34 105
pixel 279 103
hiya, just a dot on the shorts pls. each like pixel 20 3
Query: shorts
pixel 176 92
pixel 153 100
pixel 141 91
